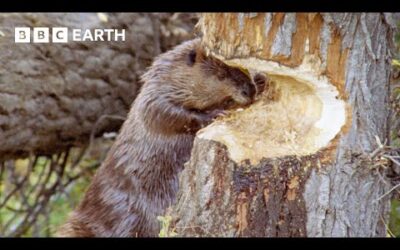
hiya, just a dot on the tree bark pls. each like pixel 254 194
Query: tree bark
pixel 259 186
pixel 53 96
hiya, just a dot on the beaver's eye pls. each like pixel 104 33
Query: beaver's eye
pixel 229 102
pixel 191 58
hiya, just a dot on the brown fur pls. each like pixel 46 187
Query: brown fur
pixel 183 91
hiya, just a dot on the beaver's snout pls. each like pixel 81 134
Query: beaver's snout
pixel 261 81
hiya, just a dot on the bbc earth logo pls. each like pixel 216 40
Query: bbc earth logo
pixel 63 35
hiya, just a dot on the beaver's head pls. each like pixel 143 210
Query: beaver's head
pixel 217 85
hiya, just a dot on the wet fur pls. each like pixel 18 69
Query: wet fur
pixel 183 91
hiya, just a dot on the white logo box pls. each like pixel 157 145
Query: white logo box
pixel 60 35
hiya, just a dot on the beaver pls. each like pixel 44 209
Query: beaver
pixel 183 91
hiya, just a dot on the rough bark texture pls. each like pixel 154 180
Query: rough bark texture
pixel 335 192
pixel 53 96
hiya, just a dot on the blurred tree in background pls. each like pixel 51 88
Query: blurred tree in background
pixel 394 224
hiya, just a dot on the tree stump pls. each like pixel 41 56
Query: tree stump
pixel 299 162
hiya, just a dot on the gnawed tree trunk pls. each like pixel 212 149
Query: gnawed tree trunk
pixel 52 96
pixel 298 162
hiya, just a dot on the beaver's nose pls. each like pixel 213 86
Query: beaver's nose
pixel 260 80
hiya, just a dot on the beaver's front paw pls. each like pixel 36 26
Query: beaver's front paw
pixel 206 117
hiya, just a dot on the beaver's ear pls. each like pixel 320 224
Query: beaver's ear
pixel 191 58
